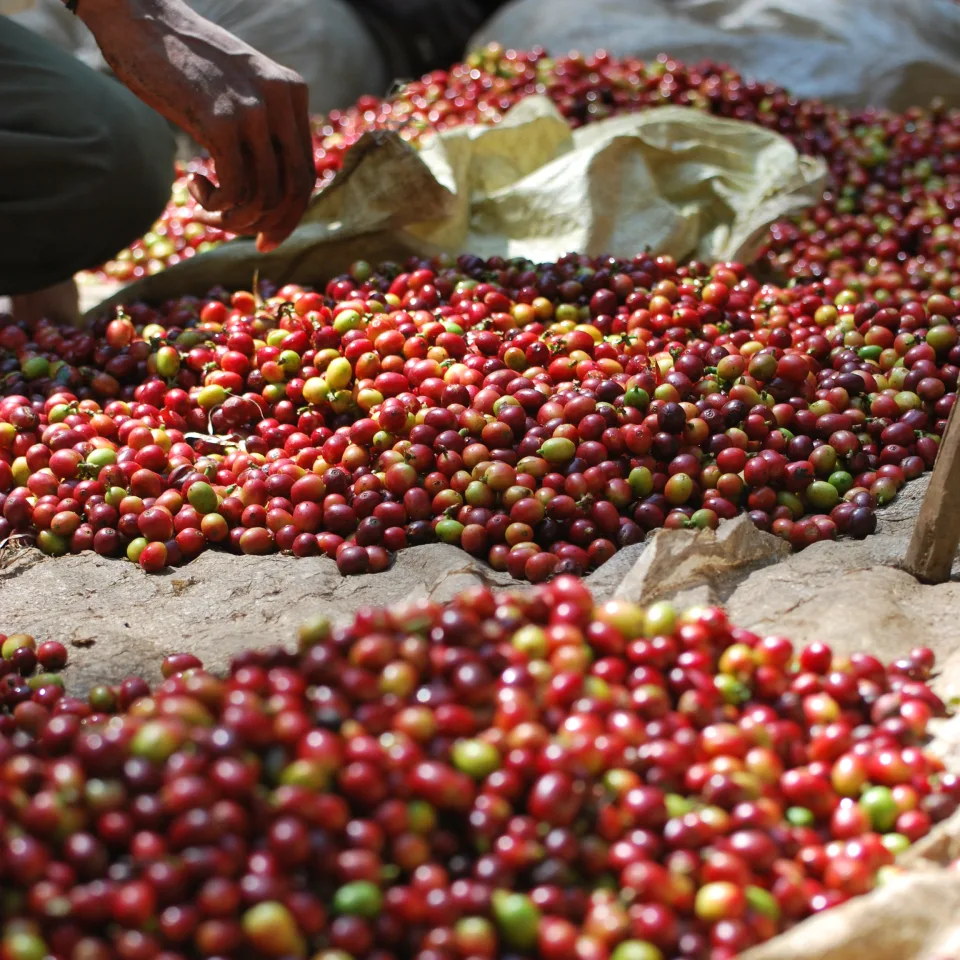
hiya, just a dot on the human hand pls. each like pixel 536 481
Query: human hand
pixel 250 113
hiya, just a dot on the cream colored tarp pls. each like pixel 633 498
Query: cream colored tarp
pixel 672 180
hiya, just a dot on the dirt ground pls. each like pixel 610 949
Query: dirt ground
pixel 117 620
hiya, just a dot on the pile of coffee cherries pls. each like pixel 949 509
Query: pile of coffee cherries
pixel 888 220
pixel 539 416
pixel 30 681
pixel 507 776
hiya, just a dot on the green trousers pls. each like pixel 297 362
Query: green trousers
pixel 85 167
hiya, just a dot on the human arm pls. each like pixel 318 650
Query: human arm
pixel 249 112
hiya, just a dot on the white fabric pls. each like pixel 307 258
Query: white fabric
pixel 891 53
pixel 10 8
pixel 323 40
pixel 55 23
pixel 853 52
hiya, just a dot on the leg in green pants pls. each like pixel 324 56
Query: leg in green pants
pixel 85 167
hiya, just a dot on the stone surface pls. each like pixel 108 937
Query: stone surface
pixel 118 620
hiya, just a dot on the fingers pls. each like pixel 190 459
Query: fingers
pixel 266 169
pixel 300 98
pixel 263 172
pixel 257 170
pixel 294 150
pixel 217 201
pixel 203 190
pixel 234 184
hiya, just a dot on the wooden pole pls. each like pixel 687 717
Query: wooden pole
pixel 936 535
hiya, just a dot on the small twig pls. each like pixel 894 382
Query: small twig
pixel 29 537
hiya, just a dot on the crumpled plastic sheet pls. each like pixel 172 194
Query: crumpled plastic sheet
pixel 671 179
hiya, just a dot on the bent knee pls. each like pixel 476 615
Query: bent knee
pixel 76 198
pixel 126 155
pixel 85 167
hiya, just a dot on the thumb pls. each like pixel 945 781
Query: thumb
pixel 201 189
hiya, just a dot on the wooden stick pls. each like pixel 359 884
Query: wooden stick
pixel 936 535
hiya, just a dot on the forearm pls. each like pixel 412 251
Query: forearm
pixel 110 20
pixel 250 112
pixel 165 53
pixel 98 14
